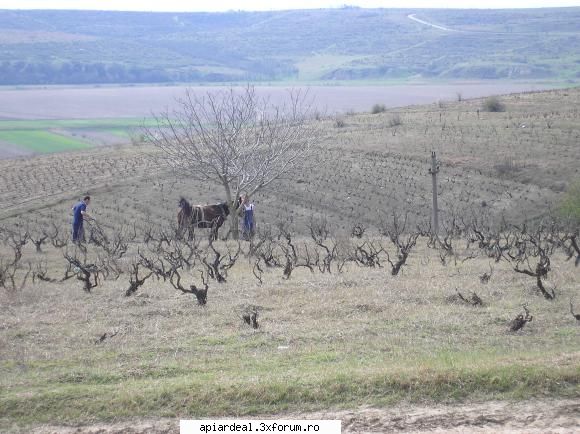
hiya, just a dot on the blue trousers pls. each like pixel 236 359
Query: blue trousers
pixel 248 229
pixel 77 232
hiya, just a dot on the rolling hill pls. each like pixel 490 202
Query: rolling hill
pixel 80 47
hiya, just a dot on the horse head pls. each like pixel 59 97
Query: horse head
pixel 184 205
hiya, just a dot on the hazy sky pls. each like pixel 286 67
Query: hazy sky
pixel 224 5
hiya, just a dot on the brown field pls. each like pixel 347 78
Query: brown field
pixel 381 352
pixel 140 101
pixel 514 163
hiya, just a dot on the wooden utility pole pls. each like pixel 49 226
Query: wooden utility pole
pixel 434 170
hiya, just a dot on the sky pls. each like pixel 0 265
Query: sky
pixel 266 5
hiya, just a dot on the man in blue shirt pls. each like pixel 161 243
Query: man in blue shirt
pixel 79 214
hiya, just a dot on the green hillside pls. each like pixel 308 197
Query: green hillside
pixel 79 47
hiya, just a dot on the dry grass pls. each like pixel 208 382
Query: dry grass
pixel 340 340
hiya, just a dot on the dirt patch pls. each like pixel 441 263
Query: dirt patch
pixel 537 416
pixel 490 417
pixel 133 427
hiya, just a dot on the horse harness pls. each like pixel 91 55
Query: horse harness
pixel 200 212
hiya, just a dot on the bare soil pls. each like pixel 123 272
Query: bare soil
pixel 531 417
pixel 138 101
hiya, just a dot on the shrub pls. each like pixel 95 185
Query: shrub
pixel 395 121
pixel 137 139
pixel 493 104
pixel 378 108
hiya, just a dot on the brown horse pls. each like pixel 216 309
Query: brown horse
pixel 209 216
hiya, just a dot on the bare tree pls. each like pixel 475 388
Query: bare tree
pixel 402 240
pixel 40 273
pixel 292 255
pixel 88 273
pixel 15 239
pixel 251 318
pixel 134 281
pixel 368 254
pixel 236 139
pixel 320 233
pixel 8 271
pixel 475 300
pixel 218 263
pixel 520 321
pixel 530 253
pixel 200 293
pixel 38 235
pixel 58 237
pixel 569 242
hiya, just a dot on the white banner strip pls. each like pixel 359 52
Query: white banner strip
pixel 260 426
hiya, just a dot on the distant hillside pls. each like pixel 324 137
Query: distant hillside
pixel 78 47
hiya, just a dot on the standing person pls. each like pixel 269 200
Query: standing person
pixel 79 214
pixel 240 213
pixel 248 209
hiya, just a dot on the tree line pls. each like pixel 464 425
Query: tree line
pixel 77 72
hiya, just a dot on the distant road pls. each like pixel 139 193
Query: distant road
pixel 447 29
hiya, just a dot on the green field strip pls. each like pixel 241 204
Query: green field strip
pixel 41 141
pixel 45 124
pixel 119 132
